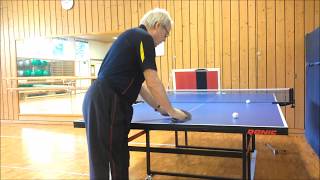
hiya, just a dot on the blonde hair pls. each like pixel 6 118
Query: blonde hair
pixel 157 15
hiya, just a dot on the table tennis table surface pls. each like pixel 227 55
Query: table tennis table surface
pixel 212 111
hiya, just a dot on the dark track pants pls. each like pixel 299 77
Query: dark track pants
pixel 107 119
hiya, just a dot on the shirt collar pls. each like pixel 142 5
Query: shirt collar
pixel 143 27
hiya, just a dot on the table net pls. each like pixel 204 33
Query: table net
pixel 283 96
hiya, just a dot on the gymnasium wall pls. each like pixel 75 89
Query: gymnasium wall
pixel 256 43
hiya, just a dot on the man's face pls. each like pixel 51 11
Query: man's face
pixel 160 34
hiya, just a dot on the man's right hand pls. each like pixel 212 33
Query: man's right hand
pixel 178 114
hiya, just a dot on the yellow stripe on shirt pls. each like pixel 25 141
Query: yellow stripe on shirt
pixel 141 51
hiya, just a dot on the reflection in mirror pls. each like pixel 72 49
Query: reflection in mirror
pixel 53 74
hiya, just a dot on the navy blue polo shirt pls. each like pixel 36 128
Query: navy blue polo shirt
pixel 123 66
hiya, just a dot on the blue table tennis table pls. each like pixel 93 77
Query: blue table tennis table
pixel 212 112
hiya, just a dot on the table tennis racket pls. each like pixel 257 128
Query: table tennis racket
pixel 189 116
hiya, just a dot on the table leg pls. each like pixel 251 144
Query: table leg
pixel 186 138
pixel 148 152
pixel 249 155
pixel 253 142
pixel 176 138
pixel 244 155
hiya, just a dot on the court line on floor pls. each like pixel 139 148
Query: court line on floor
pixel 37 169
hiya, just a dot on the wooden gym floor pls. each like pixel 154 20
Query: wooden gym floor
pixel 33 151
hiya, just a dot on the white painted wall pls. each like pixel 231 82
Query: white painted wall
pixel 98 50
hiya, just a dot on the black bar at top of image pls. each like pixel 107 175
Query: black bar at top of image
pixel 201 78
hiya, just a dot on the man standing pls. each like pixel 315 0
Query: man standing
pixel 107 107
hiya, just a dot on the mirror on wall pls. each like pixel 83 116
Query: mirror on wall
pixel 54 73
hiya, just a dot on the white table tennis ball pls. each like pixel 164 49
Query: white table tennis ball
pixel 235 115
pixel 248 101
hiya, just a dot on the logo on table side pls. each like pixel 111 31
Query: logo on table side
pixel 261 131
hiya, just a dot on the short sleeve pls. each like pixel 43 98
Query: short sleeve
pixel 146 53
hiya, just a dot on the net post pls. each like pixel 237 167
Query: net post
pixel 291 97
